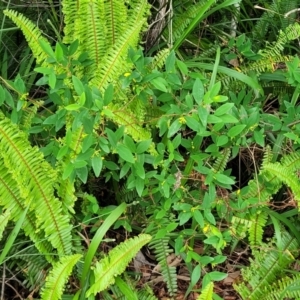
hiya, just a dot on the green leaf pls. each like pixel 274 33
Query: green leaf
pixel 203 115
pixel 160 84
pixel 67 171
pixel 82 174
pixel 139 169
pixel 97 164
pixel 2 95
pixel 175 126
pixel 108 94
pixel 143 146
pixel 78 85
pixel 193 123
pixel 236 130
pixel 170 62
pixel 228 119
pixel 59 52
pixel 110 165
pixel 62 152
pixel 217 276
pixel 198 91
pixel 74 106
pixel 124 170
pixel 198 217
pixel 125 153
pixel 73 47
pixel 111 137
pixel 52 80
pixel 259 138
pixel 222 140
pixel 139 185
pixel 182 67
pixel 47 48
pixel 223 109
pixel 224 179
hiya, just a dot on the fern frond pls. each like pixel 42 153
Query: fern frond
pixel 207 293
pixel 285 176
pixel 256 231
pixel 11 200
pixel 160 59
pixel 221 162
pixel 129 120
pixel 116 19
pixel 146 293
pixel 91 32
pixel 35 180
pixel 291 162
pixel 58 277
pixel 115 63
pixel 115 262
pixel 285 288
pixel 28 114
pixel 162 250
pixel 70 10
pixel 4 218
pixel 31 32
pixel 31 262
pixel 239 227
pixel 266 266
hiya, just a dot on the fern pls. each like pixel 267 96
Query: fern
pixel 4 218
pixel 207 292
pixel 285 288
pixel 259 220
pixel 58 276
pixel 162 250
pixel 266 267
pixel 11 200
pixel 32 34
pixel 221 162
pixel 115 263
pixel 34 183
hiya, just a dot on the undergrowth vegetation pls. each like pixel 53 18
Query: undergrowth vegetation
pixel 163 132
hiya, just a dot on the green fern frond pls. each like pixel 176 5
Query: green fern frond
pixel 146 293
pixel 266 266
pixel 291 162
pixel 58 277
pixel 162 250
pixel 4 218
pixel 115 63
pixel 221 162
pixel 285 288
pixel 207 292
pixel 256 231
pixel 31 32
pixel 116 262
pixel 132 126
pixel 70 10
pixel 28 114
pixel 285 176
pixel 31 262
pixel 91 32
pixel 116 19
pixel 35 180
pixel 159 59
pixel 240 226
pixel 12 201
pixel 183 20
